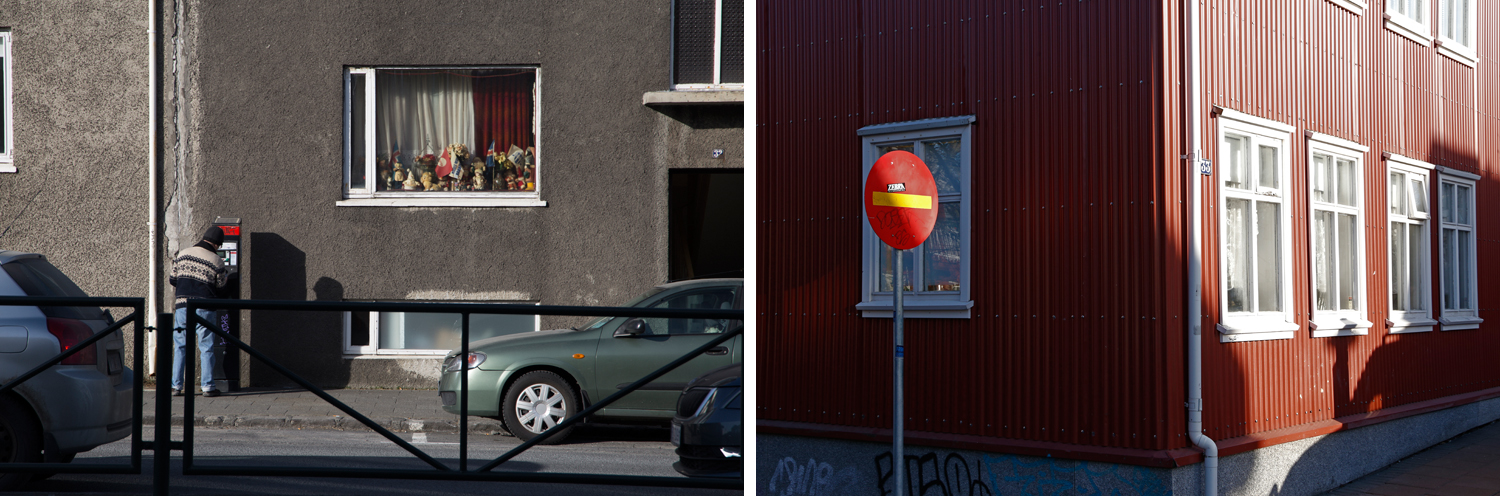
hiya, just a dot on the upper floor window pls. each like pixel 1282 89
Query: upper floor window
pixel 1254 228
pixel 1457 250
pixel 1411 244
pixel 441 137
pixel 1409 18
pixel 1456 25
pixel 708 44
pixel 935 274
pixel 7 158
pixel 1337 237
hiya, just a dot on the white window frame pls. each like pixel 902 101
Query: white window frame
pixel 1458 319
pixel 1256 326
pixel 1355 6
pixel 1398 19
pixel 718 80
pixel 1353 322
pixel 369 197
pixel 918 304
pixel 1412 321
pixel 1457 49
pixel 373 350
pixel 7 137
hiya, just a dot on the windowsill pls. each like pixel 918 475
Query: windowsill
pixel 943 309
pixel 694 97
pixel 1453 50
pixel 1255 329
pixel 1332 326
pixel 1354 6
pixel 1408 326
pixel 1460 323
pixel 442 202
pixel 1408 28
pixel 7 168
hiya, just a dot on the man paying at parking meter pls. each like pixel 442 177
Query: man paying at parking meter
pixel 197 272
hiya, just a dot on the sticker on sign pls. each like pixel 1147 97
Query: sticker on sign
pixel 900 196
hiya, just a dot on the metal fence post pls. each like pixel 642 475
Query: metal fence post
pixel 162 459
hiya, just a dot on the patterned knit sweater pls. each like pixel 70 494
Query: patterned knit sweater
pixel 197 273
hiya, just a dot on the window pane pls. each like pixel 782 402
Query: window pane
pixel 1399 275
pixel 453 130
pixel 1450 269
pixel 441 331
pixel 1447 199
pixel 359 328
pixel 693 53
pixel 1347 178
pixel 888 268
pixel 1268 257
pixel 1465 271
pixel 1323 257
pixel 1237 175
pixel 1415 266
pixel 713 299
pixel 1462 200
pixel 1348 263
pixel 1321 173
pixel 1397 193
pixel 1237 254
pixel 908 147
pixel 357 129
pixel 1269 172
pixel 732 44
pixel 1419 195
pixel 941 255
pixel 945 161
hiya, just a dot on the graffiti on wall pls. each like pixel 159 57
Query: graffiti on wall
pixel 964 474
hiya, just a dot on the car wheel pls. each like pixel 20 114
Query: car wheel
pixel 20 441
pixel 536 402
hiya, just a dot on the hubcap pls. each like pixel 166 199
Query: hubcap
pixel 540 407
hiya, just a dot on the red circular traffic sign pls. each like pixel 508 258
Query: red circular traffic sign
pixel 901 200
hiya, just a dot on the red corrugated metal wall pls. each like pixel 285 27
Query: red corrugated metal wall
pixel 1076 331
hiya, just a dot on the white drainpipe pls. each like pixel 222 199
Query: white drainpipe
pixel 154 267
pixel 1194 114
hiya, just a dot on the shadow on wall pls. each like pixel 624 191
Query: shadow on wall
pixel 705 116
pixel 310 344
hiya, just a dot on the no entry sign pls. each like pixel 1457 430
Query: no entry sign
pixel 901 200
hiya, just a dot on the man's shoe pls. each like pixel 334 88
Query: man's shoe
pixel 176 392
pixel 211 393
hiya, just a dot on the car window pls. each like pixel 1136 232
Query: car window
pixel 599 322
pixel 37 277
pixel 704 299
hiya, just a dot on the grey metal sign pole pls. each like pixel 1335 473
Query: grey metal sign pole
pixel 898 455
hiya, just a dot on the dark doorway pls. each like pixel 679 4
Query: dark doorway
pixel 707 228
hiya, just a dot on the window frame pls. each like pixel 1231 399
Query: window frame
pixel 1462 51
pixel 1418 30
pixel 373 350
pixel 1412 321
pixel 7 134
pixel 918 304
pixel 718 64
pixel 1458 319
pixel 369 197
pixel 1329 323
pixel 1256 326
pixel 1355 6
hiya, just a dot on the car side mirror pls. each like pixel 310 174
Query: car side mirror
pixel 109 318
pixel 632 328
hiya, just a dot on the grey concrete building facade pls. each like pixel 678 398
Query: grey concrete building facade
pixel 256 112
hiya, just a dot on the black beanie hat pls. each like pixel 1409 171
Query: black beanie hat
pixel 214 235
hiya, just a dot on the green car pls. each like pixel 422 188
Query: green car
pixel 532 381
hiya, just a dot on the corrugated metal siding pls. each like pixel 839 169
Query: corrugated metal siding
pixel 1076 331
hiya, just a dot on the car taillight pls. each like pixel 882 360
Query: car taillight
pixel 69 333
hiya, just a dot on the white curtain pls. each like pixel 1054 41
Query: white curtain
pixel 423 112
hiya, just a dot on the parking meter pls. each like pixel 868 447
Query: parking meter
pixel 227 370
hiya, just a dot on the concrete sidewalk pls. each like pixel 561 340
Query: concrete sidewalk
pixel 397 410
pixel 1467 464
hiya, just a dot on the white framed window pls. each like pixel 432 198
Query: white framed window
pixel 1335 199
pixel 1410 18
pixel 1456 26
pixel 708 44
pixel 936 273
pixel 1254 228
pixel 1408 189
pixel 7 143
pixel 1457 251
pixel 442 137
pixel 408 334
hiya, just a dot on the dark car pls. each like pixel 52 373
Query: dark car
pixel 708 428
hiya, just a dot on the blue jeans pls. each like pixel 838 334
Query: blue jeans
pixel 205 348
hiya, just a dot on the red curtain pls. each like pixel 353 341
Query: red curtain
pixel 503 104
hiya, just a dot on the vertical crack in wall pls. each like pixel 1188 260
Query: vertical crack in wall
pixel 178 218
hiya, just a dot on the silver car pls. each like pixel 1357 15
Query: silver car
pixel 71 407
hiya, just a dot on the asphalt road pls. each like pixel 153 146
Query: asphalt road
pixel 616 450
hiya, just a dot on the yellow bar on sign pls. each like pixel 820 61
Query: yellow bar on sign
pixel 901 200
